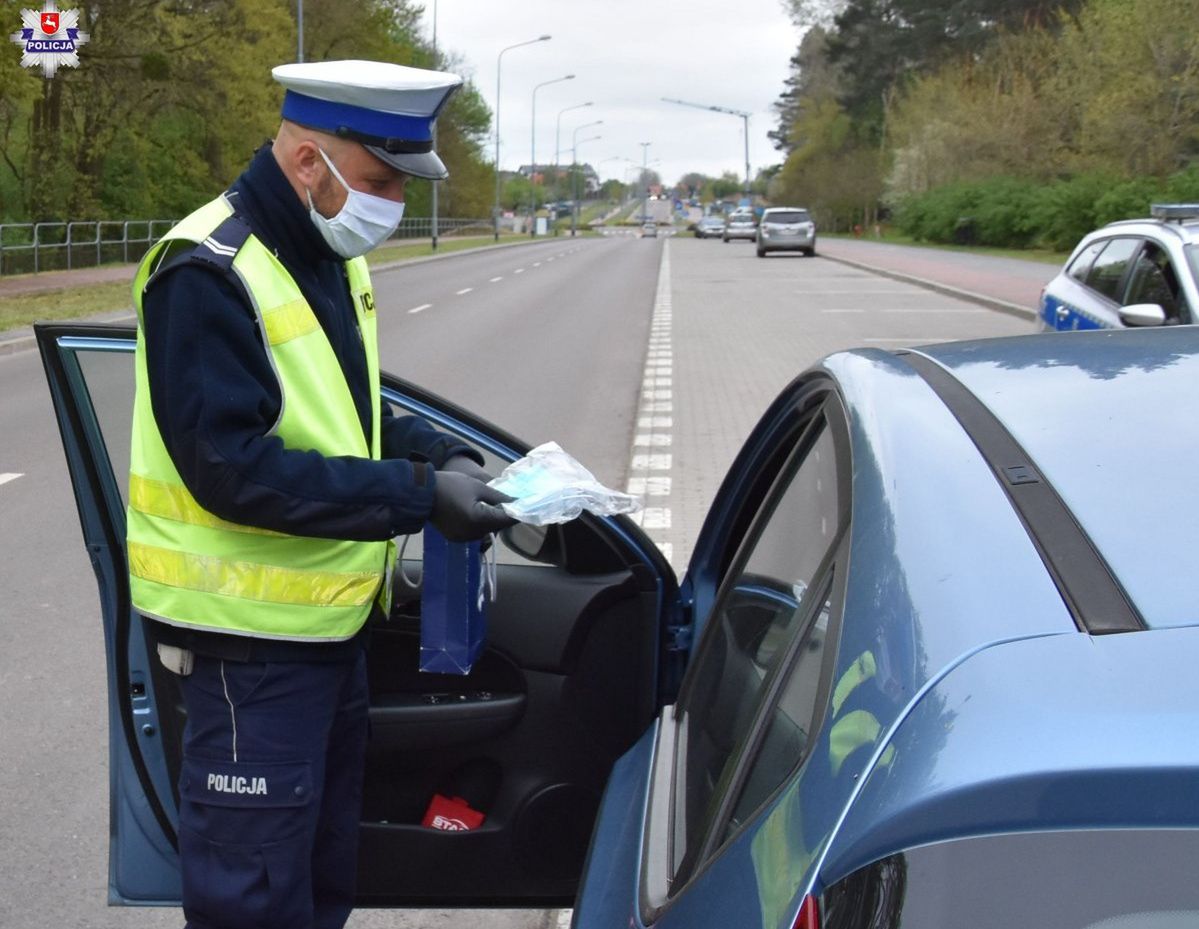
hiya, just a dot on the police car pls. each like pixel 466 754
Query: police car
pixel 932 664
pixel 1142 272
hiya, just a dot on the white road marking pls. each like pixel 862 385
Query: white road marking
pixel 519 271
pixel 653 439
pixel 495 279
pixel 654 462
pixel 536 264
pixel 5 478
pixel 464 290
pixel 418 309
pixel 649 486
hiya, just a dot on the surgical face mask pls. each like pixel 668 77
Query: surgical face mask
pixel 363 223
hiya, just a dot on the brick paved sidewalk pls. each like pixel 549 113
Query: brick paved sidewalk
pixel 1007 284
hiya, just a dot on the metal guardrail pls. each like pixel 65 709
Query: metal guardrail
pixel 34 247
pixel 27 248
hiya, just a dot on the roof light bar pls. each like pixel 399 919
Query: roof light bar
pixel 1174 212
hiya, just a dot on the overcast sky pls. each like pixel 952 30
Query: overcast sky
pixel 626 55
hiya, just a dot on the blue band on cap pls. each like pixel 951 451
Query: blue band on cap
pixel 322 114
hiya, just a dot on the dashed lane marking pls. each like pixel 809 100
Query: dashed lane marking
pixel 464 290
pixel 421 308
pixel 495 279
pixel 519 271
pixel 5 478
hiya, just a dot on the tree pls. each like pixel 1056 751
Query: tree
pixel 171 99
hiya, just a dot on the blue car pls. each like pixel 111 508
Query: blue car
pixel 1142 272
pixel 933 664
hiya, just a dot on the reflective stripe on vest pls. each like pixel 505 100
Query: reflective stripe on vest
pixel 190 567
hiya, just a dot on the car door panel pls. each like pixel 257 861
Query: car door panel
pixel 568 682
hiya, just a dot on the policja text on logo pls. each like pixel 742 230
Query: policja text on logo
pixel 50 39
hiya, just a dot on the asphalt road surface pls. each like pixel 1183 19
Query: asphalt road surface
pixel 564 339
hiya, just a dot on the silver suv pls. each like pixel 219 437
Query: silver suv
pixel 786 228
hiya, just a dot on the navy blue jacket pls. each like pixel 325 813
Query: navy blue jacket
pixel 215 396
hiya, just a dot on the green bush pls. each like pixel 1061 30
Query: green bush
pixel 1008 212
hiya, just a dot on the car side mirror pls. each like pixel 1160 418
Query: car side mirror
pixel 1142 314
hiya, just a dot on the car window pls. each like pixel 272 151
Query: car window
pixel 1080 267
pixel 1108 270
pixel 1095 879
pixel 1154 280
pixel 769 600
pixel 791 722
pixel 787 216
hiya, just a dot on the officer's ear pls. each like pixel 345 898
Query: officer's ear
pixel 307 163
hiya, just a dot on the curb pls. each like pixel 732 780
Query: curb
pixel 991 303
pixel 25 340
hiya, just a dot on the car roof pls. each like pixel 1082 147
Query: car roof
pixel 1104 416
pixel 1186 232
pixel 786 209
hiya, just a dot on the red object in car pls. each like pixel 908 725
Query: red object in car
pixel 451 814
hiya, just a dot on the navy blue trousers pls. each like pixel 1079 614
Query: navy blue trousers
pixel 270 792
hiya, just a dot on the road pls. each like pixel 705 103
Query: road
pixel 651 382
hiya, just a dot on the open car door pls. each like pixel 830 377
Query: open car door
pixel 580 656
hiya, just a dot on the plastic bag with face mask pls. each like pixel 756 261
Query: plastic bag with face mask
pixel 552 487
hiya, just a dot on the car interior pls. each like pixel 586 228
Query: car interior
pixel 566 684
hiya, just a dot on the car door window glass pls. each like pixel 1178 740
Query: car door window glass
pixel 1109 267
pixel 759 613
pixel 791 722
pixel 1154 280
pixel 1081 266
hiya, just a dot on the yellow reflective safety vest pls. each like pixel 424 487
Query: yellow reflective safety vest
pixel 187 566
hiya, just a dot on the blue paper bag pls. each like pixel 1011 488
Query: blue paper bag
pixel 453 616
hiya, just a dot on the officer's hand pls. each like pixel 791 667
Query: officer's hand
pixel 464 464
pixel 465 508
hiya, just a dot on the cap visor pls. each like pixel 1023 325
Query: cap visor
pixel 426 165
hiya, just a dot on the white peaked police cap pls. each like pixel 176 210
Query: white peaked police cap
pixel 388 108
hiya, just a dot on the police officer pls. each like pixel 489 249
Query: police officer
pixel 267 481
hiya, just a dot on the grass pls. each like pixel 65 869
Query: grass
pixel 68 303
pixel 1043 255
pixel 92 299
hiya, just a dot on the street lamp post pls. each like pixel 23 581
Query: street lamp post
pixel 498 61
pixel 644 183
pixel 558 133
pixel 533 150
pixel 574 170
pixel 731 112
pixel 574 209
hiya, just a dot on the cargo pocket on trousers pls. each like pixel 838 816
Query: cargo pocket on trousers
pixel 245 843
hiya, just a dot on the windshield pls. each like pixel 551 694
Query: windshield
pixel 742 219
pixel 1192 252
pixel 788 216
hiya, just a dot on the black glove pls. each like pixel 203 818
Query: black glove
pixel 464 464
pixel 465 509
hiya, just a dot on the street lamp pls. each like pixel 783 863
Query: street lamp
pixel 558 132
pixel 724 109
pixel 498 61
pixel 533 150
pixel 574 161
pixel 644 184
